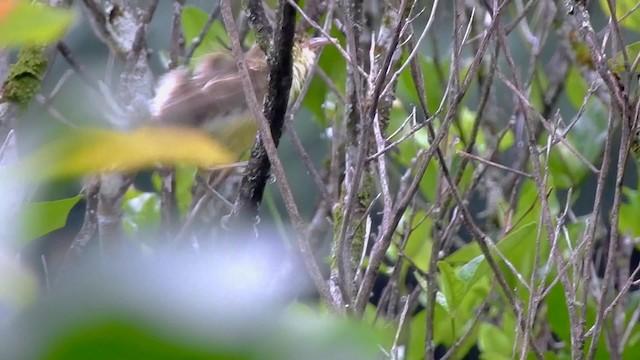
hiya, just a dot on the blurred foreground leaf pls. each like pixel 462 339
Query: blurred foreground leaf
pixel 179 307
pixel 83 152
pixel 40 218
pixel 25 22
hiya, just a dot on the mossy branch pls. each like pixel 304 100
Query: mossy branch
pixel 25 76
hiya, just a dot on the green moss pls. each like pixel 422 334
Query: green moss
pixel 23 81
pixel 357 240
pixel 364 199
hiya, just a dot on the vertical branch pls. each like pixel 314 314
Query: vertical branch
pixel 112 23
pixel 389 37
pixel 270 145
pixel 168 202
pixel 357 135
pixel 176 47
pixel 260 24
pixel 257 171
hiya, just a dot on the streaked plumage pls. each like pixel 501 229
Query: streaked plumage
pixel 635 143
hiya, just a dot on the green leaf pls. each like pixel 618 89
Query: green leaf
pixel 631 22
pixel 116 339
pixel 184 181
pixel 539 88
pixel 518 247
pixel 193 21
pixel 617 61
pixel 628 223
pixel 494 342
pixel 23 22
pixel 508 243
pixel 452 287
pixel 576 87
pixel 141 210
pixel 18 285
pixel 40 218
pixel 557 316
pixel 434 74
pixel 507 141
pixel 185 176
pixel 418 247
pixel 319 93
pixel 567 169
pixel 468 271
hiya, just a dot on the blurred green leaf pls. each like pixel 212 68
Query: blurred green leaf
pixel 454 310
pixel 418 247
pixel 443 331
pixel 494 343
pixel 507 141
pixel 467 120
pixel 193 21
pixel 40 218
pixel 141 210
pixel 407 149
pixel 576 87
pixel 435 76
pixel 518 247
pixel 121 339
pixel 617 61
pixel 512 240
pixel 629 210
pixel 185 175
pixel 319 93
pixel 18 285
pixel 557 316
pixel 631 22
pixel 417 334
pixel 177 307
pixel 539 88
pixel 567 169
pixel 24 22
pixel 528 208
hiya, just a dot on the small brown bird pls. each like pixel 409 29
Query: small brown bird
pixel 212 97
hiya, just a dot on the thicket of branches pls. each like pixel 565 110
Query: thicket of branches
pixel 467 189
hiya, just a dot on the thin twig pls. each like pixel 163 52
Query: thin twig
pixel 195 43
pixel 493 164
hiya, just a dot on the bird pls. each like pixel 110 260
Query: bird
pixel 635 143
pixel 211 96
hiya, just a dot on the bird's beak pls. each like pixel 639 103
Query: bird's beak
pixel 320 41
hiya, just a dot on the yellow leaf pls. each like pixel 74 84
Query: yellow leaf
pixel 83 152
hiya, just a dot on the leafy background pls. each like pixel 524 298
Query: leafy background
pixel 166 307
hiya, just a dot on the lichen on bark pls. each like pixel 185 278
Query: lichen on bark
pixel 23 81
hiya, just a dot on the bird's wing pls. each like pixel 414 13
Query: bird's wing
pixel 192 101
pixel 226 93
